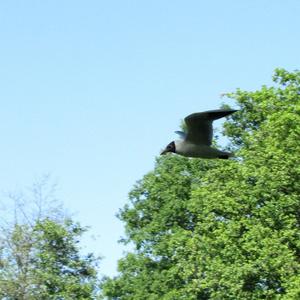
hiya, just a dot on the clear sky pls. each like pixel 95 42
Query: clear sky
pixel 90 91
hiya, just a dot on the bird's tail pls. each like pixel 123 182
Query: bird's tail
pixel 226 155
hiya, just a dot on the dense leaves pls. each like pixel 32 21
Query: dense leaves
pixel 222 229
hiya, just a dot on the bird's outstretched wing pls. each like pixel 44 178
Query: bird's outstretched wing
pixel 199 125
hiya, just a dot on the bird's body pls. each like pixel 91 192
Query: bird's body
pixel 193 150
pixel 197 140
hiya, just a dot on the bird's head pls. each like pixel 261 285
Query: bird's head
pixel 170 148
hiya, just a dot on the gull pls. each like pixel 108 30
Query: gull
pixel 197 139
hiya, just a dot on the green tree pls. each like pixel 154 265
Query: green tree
pixel 40 255
pixel 222 229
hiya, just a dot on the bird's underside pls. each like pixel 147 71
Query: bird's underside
pixel 200 151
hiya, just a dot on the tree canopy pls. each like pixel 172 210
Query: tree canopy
pixel 215 229
pixel 40 256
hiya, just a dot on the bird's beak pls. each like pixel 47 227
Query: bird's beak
pixel 164 152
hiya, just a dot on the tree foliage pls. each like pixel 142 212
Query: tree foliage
pixel 40 255
pixel 222 229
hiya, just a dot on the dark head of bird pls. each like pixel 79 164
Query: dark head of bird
pixel 170 148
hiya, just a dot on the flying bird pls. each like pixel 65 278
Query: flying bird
pixel 196 140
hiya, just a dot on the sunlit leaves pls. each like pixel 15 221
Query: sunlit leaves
pixel 222 229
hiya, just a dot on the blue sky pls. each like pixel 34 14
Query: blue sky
pixel 90 91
